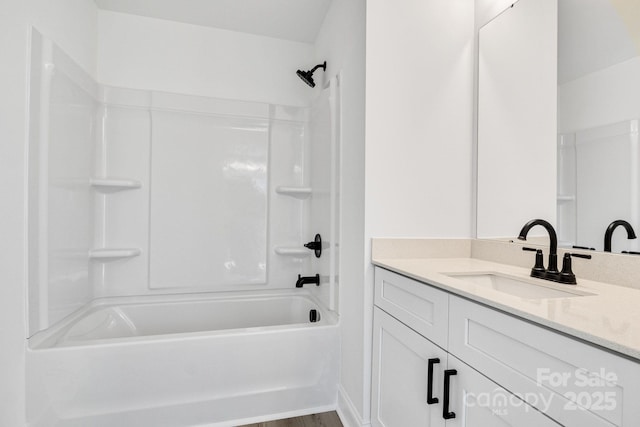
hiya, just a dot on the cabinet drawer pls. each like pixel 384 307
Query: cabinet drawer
pixel 421 307
pixel 572 382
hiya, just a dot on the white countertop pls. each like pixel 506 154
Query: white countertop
pixel 609 318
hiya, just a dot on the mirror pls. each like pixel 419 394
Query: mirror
pixel 517 83
pixel 595 127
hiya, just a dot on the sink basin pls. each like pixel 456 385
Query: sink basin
pixel 524 288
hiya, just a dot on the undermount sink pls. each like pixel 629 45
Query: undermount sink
pixel 529 288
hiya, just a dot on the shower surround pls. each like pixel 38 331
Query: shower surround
pixel 143 194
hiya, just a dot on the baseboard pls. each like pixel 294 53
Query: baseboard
pixel 347 411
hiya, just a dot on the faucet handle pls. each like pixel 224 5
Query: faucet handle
pixel 585 256
pixel 538 269
pixel 566 275
pixel 586 248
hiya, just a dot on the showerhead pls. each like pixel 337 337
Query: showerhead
pixel 307 76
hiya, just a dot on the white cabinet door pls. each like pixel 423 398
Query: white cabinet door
pixel 401 362
pixel 575 383
pixel 401 376
pixel 476 401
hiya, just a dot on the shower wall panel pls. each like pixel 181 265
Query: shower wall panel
pixel 136 192
pixel 123 215
pixel 324 152
pixel 288 216
pixel 207 215
pixel 62 134
pixel 607 163
pixel 208 200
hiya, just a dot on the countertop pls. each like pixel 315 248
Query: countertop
pixel 609 317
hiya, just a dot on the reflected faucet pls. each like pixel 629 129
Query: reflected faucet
pixel 553 243
pixel 611 228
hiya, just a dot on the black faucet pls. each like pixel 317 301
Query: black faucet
pixel 308 280
pixel 609 233
pixel 552 270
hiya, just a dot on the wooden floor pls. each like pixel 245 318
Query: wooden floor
pixel 327 419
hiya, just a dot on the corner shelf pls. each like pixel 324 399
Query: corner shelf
pixel 107 254
pixel 566 198
pixel 110 185
pixel 294 251
pixel 297 192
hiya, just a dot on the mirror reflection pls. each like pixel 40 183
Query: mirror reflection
pixel 598 112
pixel 596 149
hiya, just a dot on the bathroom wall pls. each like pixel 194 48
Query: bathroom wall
pixel 154 54
pixel 207 215
pixel 71 23
pixel 341 42
pixel 417 151
pixel 144 210
pixel 419 110
pixel 135 192
pixel 133 52
pixel 419 156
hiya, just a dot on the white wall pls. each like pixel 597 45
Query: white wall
pixel 419 109
pixel 71 23
pixel 154 54
pixel 341 42
pixel 419 106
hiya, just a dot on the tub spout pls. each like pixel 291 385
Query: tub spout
pixel 308 280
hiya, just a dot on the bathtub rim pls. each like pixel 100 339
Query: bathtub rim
pixel 39 341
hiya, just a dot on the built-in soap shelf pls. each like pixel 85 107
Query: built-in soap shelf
pixel 107 254
pixel 297 192
pixel 566 198
pixel 110 185
pixel 293 251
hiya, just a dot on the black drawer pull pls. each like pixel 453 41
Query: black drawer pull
pixel 430 399
pixel 445 407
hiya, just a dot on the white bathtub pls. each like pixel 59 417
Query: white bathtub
pixel 222 360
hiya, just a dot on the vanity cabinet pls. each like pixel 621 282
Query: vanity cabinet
pixel 507 371
pixel 573 382
pixel 409 386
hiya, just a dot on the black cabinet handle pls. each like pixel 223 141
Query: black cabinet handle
pixel 445 407
pixel 430 399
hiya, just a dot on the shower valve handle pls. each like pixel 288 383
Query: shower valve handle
pixel 315 246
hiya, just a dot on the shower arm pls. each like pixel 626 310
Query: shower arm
pixel 323 66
